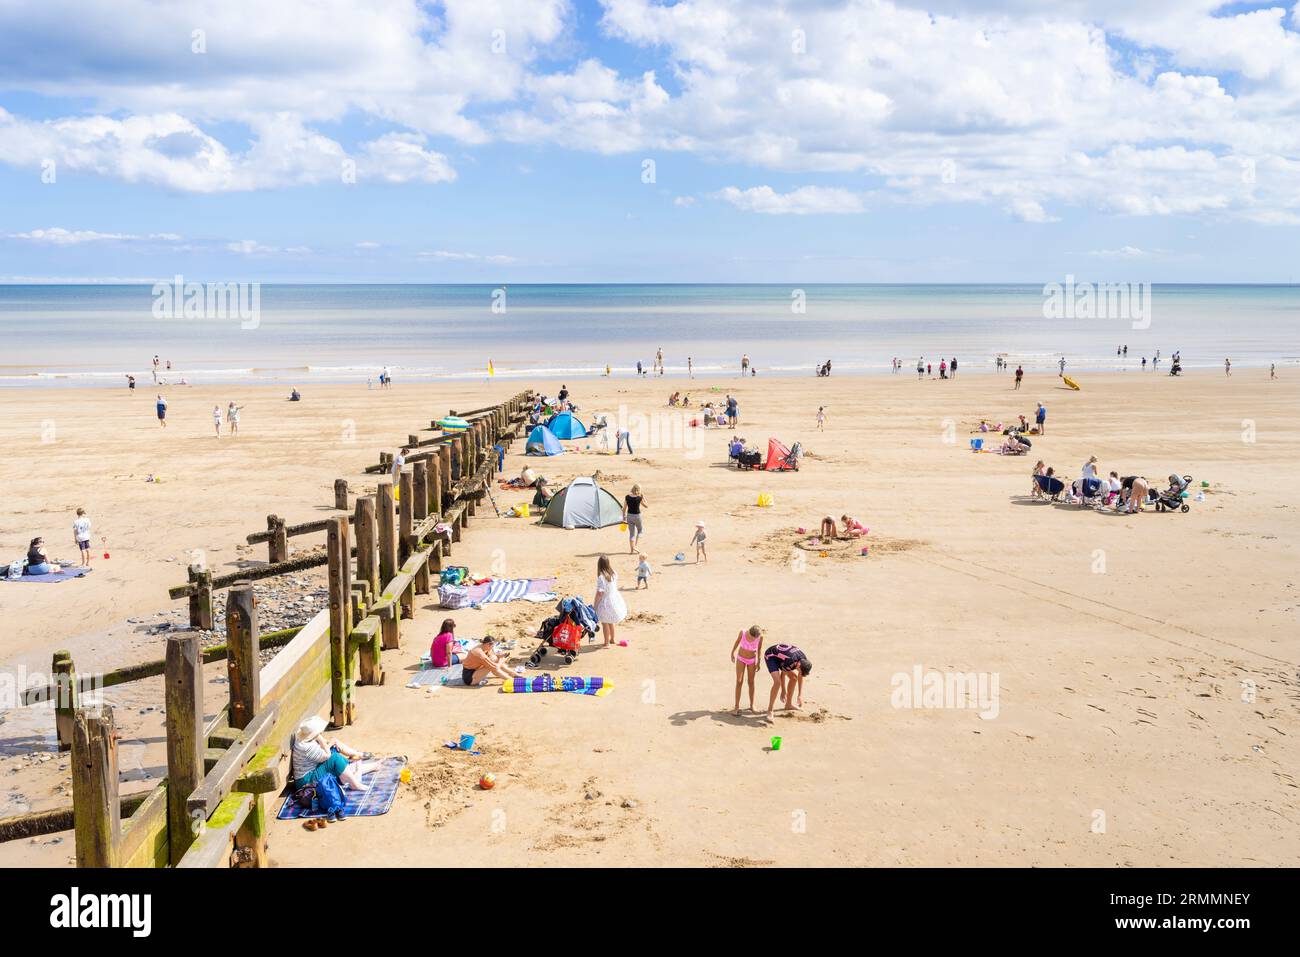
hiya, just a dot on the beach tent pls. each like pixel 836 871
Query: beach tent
pixel 779 458
pixel 584 504
pixel 542 441
pixel 566 426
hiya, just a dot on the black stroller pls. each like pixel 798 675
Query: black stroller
pixel 1171 499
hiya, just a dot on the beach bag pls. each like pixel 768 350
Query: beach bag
pixel 454 575
pixel 329 796
pixel 453 596
pixel 305 797
pixel 15 569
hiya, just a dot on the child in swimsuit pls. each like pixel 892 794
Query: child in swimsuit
pixel 745 654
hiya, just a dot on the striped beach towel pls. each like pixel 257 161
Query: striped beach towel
pixel 597 687
pixel 509 589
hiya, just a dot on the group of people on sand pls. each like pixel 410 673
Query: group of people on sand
pixel 38 561
pixel 947 370
pixel 829 531
pixel 787 665
pixel 231 418
pixel 1127 493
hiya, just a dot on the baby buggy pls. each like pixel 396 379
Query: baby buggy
pixel 564 631
pixel 1171 499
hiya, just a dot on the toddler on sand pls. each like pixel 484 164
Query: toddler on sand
pixel 642 571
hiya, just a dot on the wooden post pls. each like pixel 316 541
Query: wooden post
pixel 185 738
pixel 96 807
pixel 242 665
pixel 435 487
pixel 250 839
pixel 444 475
pixel 201 600
pixel 406 517
pixel 387 527
pixel 421 512
pixel 278 546
pixel 341 494
pixel 66 697
pixel 341 710
pixel 367 556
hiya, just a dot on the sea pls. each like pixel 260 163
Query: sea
pixel 78 335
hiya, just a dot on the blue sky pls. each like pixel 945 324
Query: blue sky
pixel 506 141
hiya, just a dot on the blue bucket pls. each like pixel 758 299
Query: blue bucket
pixel 976 444
pixel 467 742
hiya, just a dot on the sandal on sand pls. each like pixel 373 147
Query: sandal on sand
pixel 312 824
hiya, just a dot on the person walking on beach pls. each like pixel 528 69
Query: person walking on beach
pixel 821 418
pixel 1041 418
pixel 920 367
pixel 929 370
pixel 952 367
pixel 744 655
pixel 1144 363
pixel 690 368
pixel 638 367
pixel 232 418
pixel 161 407
pixel 733 411
pixel 642 572
pixel 609 604
pixel 633 502
pixel 81 535
pixel 1272 371
pixel 1020 374
pixel 698 540
pixel 1062 365
pixel 1227 367
pixel 130 384
pixel 216 419
pixel 943 368
pixel 744 364
pixel 155 368
pixel 659 360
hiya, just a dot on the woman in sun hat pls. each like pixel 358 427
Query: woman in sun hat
pixel 315 756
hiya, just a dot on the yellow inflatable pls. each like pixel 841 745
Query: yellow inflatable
pixel 1071 383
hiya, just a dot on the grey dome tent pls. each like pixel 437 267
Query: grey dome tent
pixel 583 504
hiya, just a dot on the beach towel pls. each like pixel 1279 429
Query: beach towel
pixel 60 576
pixel 509 589
pixel 436 677
pixel 596 687
pixel 381 788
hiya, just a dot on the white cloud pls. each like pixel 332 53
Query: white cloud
pixel 804 201
pixel 1123 252
pixel 58 236
pixel 250 247
pixel 443 255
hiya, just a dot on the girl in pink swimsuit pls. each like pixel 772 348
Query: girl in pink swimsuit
pixel 745 654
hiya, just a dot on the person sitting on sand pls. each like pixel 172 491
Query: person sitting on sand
pixel 482 662
pixel 1013 446
pixel 313 756
pixel 744 654
pixel 444 652
pixel 852 527
pixel 708 414
pixel 295 396
pixel 673 399
pixel 542 497
pixel 38 563
pixel 828 531
pixel 788 666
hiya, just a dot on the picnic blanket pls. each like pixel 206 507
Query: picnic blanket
pixel 509 589
pixel 597 687
pixel 60 576
pixel 381 788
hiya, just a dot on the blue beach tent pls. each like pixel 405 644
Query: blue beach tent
pixel 542 441
pixel 566 426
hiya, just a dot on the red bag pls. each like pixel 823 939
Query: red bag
pixel 566 636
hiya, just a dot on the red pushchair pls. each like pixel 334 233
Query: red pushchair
pixel 564 631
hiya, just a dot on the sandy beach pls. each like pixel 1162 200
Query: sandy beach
pixel 1145 665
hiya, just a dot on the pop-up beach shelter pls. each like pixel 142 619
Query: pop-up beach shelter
pixel 779 458
pixel 565 425
pixel 584 504
pixel 542 441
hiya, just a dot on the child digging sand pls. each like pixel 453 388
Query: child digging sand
pixel 745 655
pixel 642 572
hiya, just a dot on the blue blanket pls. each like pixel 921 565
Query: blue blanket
pixel 60 576
pixel 381 788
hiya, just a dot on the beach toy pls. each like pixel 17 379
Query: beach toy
pixel 866 550
pixel 622 526
pixel 523 511
pixel 679 557
pixel 404 776
pixel 776 742
pixel 764 499
pixel 823 554
pixel 105 554
pixel 488 781
pixel 623 643
pixel 466 742
pixel 977 444
pixel 801 530
pixel 397 493
pixel 1204 484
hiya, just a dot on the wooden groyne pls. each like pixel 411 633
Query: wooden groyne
pixel 211 809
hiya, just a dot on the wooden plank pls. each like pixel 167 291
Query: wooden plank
pixel 367 546
pixel 144 833
pixel 95 801
pixel 253 574
pixel 242 666
pixel 216 837
pixel 186 740
pixel 203 801
pixel 386 530
pixel 290 531
pixel 37 823
pixel 263 776
pixel 294 653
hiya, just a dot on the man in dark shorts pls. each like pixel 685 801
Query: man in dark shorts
pixel 1041 418
pixel 788 666
pixel 482 663
pixel 1020 374
pixel 162 411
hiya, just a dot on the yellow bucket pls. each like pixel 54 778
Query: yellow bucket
pixel 523 511
pixel 764 500
pixel 622 526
